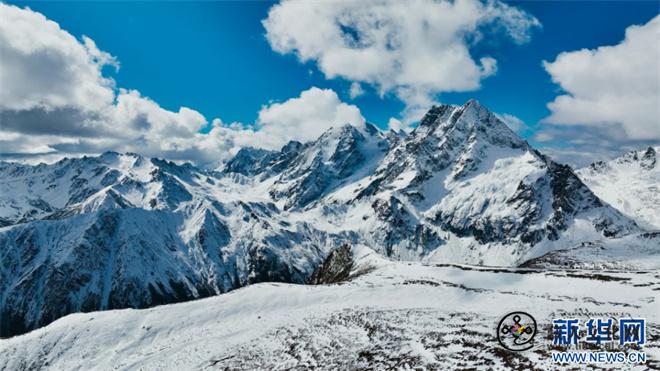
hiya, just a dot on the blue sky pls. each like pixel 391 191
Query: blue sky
pixel 214 57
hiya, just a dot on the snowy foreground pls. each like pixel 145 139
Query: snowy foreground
pixel 390 315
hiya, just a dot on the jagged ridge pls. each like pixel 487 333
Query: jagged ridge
pixel 119 230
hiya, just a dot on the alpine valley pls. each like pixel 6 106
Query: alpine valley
pixel 461 190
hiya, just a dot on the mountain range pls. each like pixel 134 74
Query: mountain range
pixel 123 231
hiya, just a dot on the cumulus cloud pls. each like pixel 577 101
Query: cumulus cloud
pixel 54 96
pixel 414 49
pixel 176 135
pixel 355 90
pixel 308 116
pixel 55 100
pixel 45 66
pixel 302 118
pixel 612 85
pixel 610 102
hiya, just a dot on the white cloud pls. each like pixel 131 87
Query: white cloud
pixel 54 96
pixel 544 137
pixel 307 116
pixel 414 49
pixel 140 114
pixel 157 132
pixel 45 66
pixel 54 99
pixel 611 85
pixel 355 90
pixel 396 125
pixel 302 118
pixel 575 157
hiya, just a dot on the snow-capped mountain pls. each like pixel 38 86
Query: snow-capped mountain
pixel 333 159
pixel 463 187
pixel 631 183
pixel 120 230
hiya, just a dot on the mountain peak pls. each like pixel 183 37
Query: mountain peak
pixel 475 112
pixel 292 146
pixel 471 112
pixel 341 130
pixel 474 104
pixel 470 122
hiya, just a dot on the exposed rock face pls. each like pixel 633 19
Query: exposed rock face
pixel 119 230
pixel 335 268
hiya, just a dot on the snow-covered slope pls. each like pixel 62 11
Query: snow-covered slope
pixel 631 183
pixel 390 315
pixel 120 230
pixel 336 157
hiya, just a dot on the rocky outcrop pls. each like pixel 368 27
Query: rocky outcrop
pixel 335 268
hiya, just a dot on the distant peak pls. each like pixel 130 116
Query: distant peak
pixel 114 155
pixel 472 103
pixel 343 131
pixel 472 111
pixel 648 159
pixel 646 154
pixel 472 119
pixel 473 106
pixel 441 112
pixel 246 151
pixel 347 127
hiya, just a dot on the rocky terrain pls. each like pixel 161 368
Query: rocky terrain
pixel 385 315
